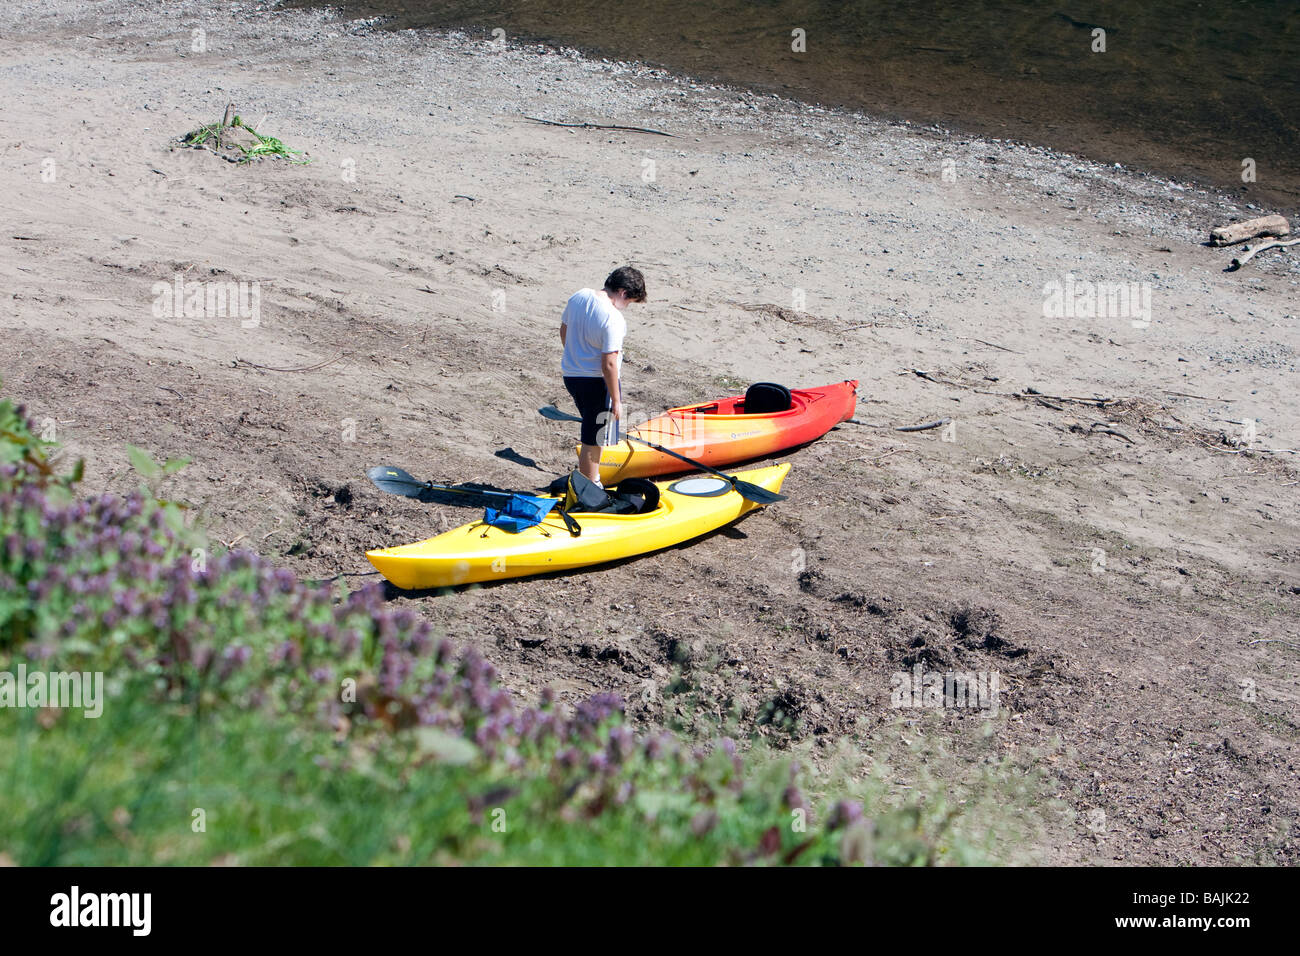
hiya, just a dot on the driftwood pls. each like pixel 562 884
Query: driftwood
pixel 1250 229
pixel 923 428
pixel 900 428
pixel 1252 251
pixel 1099 428
pixel 1104 428
pixel 1031 392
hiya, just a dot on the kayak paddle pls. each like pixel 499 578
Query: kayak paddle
pixel 395 481
pixel 747 490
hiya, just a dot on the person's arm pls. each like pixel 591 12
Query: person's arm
pixel 609 369
pixel 564 330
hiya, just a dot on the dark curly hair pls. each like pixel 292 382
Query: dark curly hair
pixel 629 281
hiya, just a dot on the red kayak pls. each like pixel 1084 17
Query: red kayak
pixel 768 418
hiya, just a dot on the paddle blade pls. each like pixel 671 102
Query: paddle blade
pixel 555 415
pixel 755 493
pixel 395 481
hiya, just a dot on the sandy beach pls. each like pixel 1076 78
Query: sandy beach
pixel 1109 523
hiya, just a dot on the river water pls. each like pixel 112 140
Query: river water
pixel 1206 90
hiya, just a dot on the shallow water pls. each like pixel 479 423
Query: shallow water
pixel 1192 88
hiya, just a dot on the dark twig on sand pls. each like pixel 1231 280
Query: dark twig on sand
pixel 628 129
pixel 1225 451
pixel 900 428
pixel 892 451
pixel 921 373
pixel 1029 393
pixel 923 428
pixel 1273 640
pixel 1202 398
pixel 308 368
pixel 995 345
pixel 1103 428
pixel 1032 392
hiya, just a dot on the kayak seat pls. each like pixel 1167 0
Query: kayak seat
pixel 641 494
pixel 584 496
pixel 631 496
pixel 764 398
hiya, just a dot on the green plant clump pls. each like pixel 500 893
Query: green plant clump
pixel 210 135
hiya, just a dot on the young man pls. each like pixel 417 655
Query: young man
pixel 592 330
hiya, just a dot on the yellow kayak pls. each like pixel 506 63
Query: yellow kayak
pixel 688 508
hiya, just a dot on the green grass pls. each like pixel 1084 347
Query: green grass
pixel 310 727
pixel 123 790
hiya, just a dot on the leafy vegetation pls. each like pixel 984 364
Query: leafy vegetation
pixel 210 136
pixel 251 718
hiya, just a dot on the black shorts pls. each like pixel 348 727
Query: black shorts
pixel 592 398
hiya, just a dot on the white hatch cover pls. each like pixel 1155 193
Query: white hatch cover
pixel 700 487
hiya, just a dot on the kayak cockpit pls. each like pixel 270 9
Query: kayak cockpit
pixel 735 408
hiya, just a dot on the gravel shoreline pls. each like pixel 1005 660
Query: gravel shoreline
pixel 494 81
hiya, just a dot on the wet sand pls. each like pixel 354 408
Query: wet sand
pixel 1182 87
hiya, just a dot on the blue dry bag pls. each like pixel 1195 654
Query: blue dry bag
pixel 520 512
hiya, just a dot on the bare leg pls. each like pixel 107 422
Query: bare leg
pixel 589 461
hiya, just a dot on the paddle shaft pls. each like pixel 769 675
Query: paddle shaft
pixel 395 476
pixel 465 491
pixel 735 482
pixel 610 420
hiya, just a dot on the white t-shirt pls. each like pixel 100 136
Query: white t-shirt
pixel 595 327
